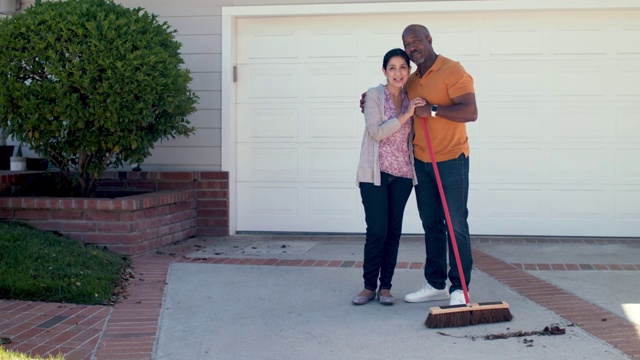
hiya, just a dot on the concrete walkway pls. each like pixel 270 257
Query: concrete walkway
pixel 288 297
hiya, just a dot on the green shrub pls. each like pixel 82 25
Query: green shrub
pixel 91 85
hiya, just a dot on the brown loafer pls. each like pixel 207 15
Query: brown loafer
pixel 385 300
pixel 361 300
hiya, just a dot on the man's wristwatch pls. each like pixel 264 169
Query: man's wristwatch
pixel 434 110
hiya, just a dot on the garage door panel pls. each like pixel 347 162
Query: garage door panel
pixel 580 204
pixel 275 44
pixel 274 40
pixel 579 121
pixel 269 83
pixel 314 207
pixel 628 79
pixel 300 123
pixel 581 40
pixel 335 122
pixel 261 123
pixel 377 40
pixel 549 208
pixel 511 122
pixel 627 206
pixel 580 165
pixel 332 42
pixel 627 166
pixel 510 41
pixel 508 165
pixel 626 123
pixel 579 78
pixel 460 42
pixel 335 82
pixel 524 164
pixel 332 202
pixel 298 162
pixel 625 32
pixel 331 82
pixel 370 76
pixel 551 227
pixel 334 163
pixel 509 79
pixel 262 163
pixel 264 200
pixel 516 203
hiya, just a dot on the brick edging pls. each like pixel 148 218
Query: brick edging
pixel 597 321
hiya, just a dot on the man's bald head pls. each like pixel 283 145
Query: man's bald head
pixel 416 29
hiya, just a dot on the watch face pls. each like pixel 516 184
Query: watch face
pixel 434 108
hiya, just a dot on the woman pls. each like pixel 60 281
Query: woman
pixel 385 174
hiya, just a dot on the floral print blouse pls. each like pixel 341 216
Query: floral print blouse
pixel 393 151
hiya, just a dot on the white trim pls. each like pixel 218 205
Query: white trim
pixel 231 13
pixel 429 6
pixel 228 112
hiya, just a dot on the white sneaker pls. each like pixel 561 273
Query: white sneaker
pixel 457 298
pixel 427 293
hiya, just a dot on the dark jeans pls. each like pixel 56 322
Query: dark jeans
pixel 384 208
pixel 455 182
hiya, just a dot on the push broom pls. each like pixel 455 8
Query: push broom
pixel 468 313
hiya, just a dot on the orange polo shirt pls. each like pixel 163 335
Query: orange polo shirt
pixel 445 80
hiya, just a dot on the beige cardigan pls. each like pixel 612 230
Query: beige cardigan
pixel 376 129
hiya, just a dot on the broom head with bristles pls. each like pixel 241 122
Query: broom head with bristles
pixel 468 314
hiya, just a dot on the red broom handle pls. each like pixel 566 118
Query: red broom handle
pixel 446 212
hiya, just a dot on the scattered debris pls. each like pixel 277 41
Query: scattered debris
pixel 547 331
pixel 120 292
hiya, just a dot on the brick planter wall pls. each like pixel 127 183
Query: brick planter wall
pixel 179 205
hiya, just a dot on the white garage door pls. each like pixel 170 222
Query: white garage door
pixel 555 150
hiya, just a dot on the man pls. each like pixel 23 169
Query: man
pixel 449 92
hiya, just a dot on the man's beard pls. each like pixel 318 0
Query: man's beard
pixel 419 60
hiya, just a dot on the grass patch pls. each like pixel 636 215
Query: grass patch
pixel 36 265
pixel 12 355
